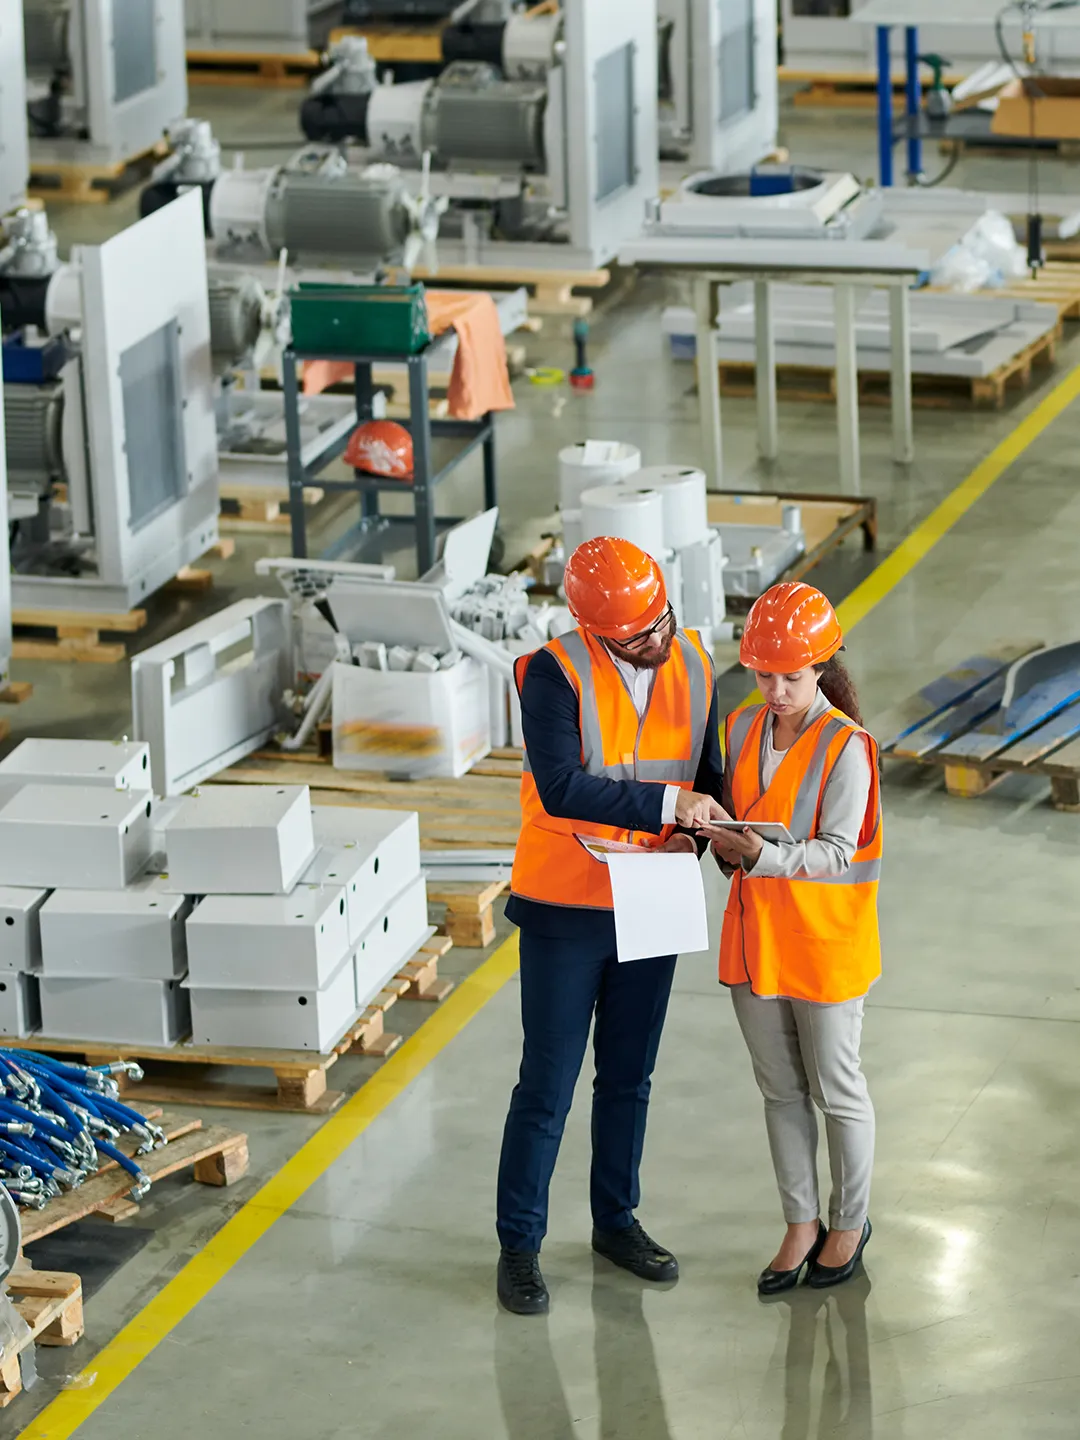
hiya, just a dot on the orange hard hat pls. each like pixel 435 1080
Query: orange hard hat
pixel 613 588
pixel 381 447
pixel 789 628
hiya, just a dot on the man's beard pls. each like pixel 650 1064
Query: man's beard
pixel 652 660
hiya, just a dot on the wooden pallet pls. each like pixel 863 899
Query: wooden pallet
pixel 480 811
pixel 1057 283
pixel 550 291
pixel 404 44
pixel 828 520
pixel 1014 147
pixel 956 725
pixel 470 919
pixel 299 1075
pixel 50 1301
pixel 76 634
pixel 93 184
pixel 243 67
pixel 244 506
pixel 215 1154
pixel 417 980
pixel 814 383
pixel 15 692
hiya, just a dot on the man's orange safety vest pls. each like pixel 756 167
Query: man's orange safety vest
pixel 804 939
pixel 663 746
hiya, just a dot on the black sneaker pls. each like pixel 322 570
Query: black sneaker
pixel 521 1286
pixel 635 1251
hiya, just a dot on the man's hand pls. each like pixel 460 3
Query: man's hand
pixel 679 843
pixel 693 810
pixel 725 851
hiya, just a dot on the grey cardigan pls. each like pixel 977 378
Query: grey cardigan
pixel 843 807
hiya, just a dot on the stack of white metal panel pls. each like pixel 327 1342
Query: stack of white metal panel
pixel 306 913
pixel 90 949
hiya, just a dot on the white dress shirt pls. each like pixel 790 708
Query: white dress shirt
pixel 639 683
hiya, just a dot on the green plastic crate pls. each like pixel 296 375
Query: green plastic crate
pixel 359 319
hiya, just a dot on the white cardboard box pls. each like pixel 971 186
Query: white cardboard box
pixel 85 837
pixel 132 934
pixel 276 1019
pixel 239 840
pixel 378 849
pixel 129 1012
pixel 391 941
pixel 20 927
pixel 123 765
pixel 20 1005
pixel 411 724
pixel 268 942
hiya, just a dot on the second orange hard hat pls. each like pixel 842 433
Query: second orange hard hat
pixel 789 628
pixel 381 447
pixel 613 588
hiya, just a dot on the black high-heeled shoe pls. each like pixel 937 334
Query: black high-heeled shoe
pixel 822 1276
pixel 773 1282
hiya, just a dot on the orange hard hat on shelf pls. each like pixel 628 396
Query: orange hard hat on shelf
pixel 613 588
pixel 381 447
pixel 789 628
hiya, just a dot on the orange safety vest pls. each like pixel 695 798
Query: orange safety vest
pixel 805 939
pixel 663 746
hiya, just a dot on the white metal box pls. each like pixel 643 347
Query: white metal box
pixel 391 941
pixel 120 766
pixel 239 840
pixel 378 850
pixel 20 927
pixel 276 1019
pixel 268 942
pixel 85 837
pixel 408 723
pixel 133 934
pixel 130 1012
pixel 20 1005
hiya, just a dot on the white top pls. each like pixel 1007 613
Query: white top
pixel 639 683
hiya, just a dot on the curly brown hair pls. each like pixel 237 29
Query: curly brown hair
pixel 838 688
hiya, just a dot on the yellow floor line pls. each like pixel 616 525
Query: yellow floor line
pixel 112 1365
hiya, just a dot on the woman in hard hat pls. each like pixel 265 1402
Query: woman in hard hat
pixel 800 945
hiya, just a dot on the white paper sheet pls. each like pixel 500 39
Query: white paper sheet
pixel 659 904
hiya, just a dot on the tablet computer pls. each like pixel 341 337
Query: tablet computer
pixel 767 829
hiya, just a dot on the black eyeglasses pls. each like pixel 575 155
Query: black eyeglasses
pixel 637 641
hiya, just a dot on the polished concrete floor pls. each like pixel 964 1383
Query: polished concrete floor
pixel 368 1309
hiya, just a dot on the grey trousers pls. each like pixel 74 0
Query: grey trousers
pixel 806 1055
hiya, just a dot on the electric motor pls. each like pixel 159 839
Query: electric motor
pixel 236 317
pixel 46 26
pixel 33 415
pixel 473 114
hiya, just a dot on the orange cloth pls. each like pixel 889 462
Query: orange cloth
pixel 804 939
pixel 663 745
pixel 479 381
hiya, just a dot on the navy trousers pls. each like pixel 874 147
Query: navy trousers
pixel 564 982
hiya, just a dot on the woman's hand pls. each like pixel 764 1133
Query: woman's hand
pixel 679 843
pixel 737 846
pixel 723 850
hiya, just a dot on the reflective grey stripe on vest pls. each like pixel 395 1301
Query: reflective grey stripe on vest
pixel 669 772
pixel 592 741
pixel 859 872
pixel 805 811
pixel 699 705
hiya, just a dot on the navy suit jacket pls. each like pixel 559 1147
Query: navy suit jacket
pixel 549 719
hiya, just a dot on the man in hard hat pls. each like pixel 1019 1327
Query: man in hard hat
pixel 621 742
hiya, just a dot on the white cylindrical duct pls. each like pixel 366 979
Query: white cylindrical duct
pixel 63 299
pixel 682 489
pixel 634 515
pixel 596 462
pixel 395 120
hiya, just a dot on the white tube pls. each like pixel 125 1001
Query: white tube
pixel 483 650
pixel 317 702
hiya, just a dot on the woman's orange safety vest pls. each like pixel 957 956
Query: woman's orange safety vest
pixel 664 746
pixel 805 939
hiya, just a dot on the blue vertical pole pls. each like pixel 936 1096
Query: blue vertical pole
pixel 912 100
pixel 884 107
